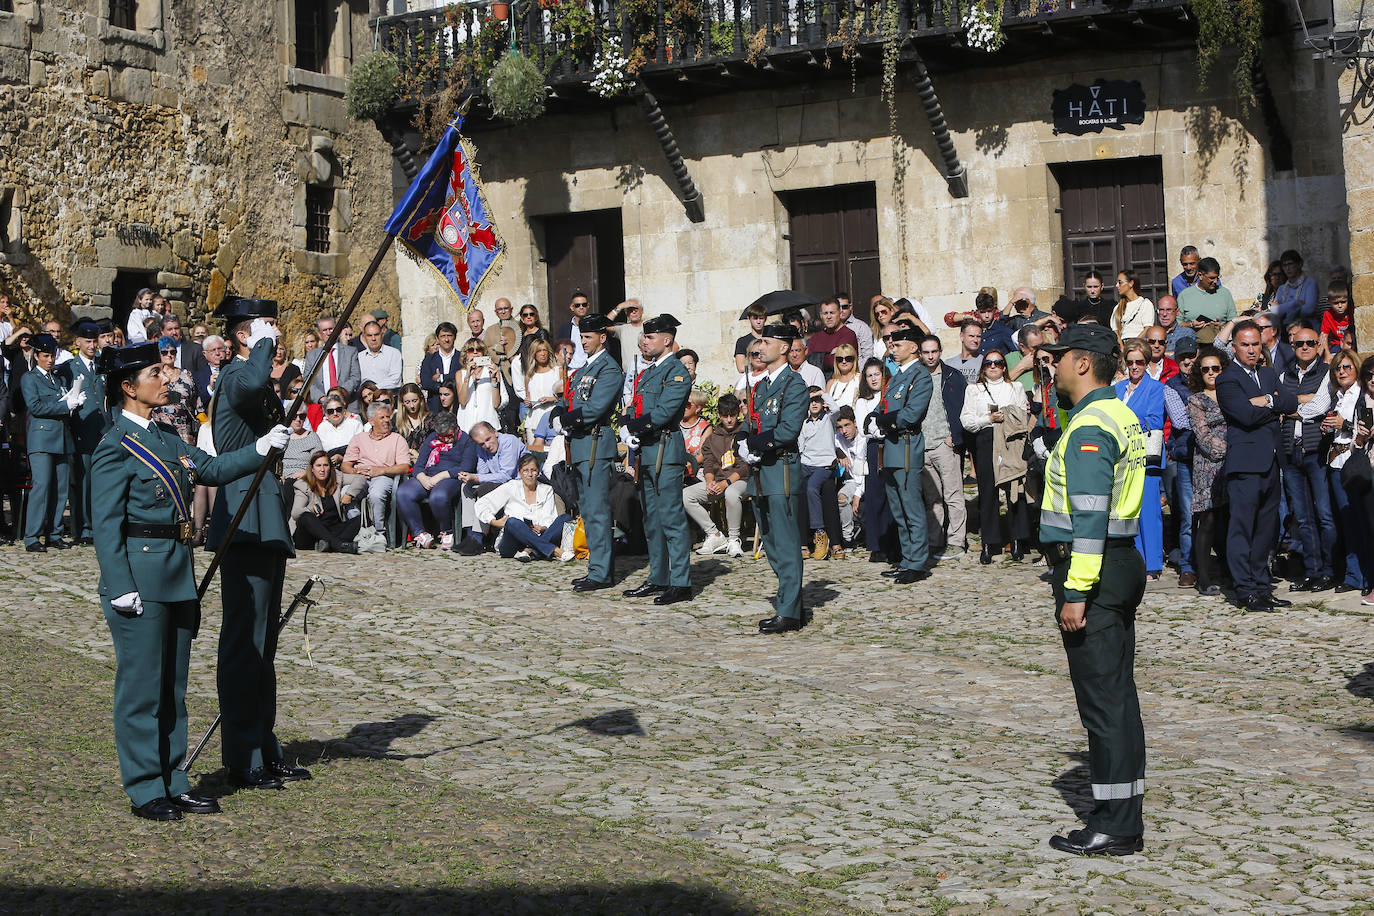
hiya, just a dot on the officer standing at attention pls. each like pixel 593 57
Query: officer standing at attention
pixel 1094 484
pixel 142 479
pixel 590 397
pixel 253 569
pixel 899 416
pixel 654 425
pixel 50 405
pixel 777 406
pixel 88 422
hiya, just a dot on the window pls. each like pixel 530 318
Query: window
pixel 123 14
pixel 6 6
pixel 6 209
pixel 314 26
pixel 319 204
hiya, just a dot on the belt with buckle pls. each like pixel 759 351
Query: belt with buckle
pixel 182 531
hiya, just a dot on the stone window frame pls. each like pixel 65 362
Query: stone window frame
pixel 319 166
pixel 149 17
pixel 341 47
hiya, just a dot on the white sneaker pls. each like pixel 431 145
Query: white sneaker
pixel 424 540
pixel 446 541
pixel 524 555
pixel 565 546
pixel 734 548
pixel 714 543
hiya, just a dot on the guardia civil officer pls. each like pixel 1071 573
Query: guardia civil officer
pixel 654 421
pixel 50 404
pixel 777 407
pixel 899 417
pixel 589 402
pixel 88 422
pixel 142 478
pixel 1094 483
pixel 245 407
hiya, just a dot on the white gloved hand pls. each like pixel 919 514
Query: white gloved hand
pixel 277 437
pixel 128 604
pixel 75 398
pixel 261 330
pixel 629 438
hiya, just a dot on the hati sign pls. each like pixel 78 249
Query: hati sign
pixel 1106 103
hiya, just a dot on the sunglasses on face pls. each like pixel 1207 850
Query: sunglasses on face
pixel 169 350
pixel 1211 368
pixel 1304 343
pixel 1154 340
pixel 844 359
pixel 333 411
pixel 1135 362
pixel 1345 368
pixel 527 314
pixel 994 362
pixel 579 305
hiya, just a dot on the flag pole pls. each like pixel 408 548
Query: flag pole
pixel 273 455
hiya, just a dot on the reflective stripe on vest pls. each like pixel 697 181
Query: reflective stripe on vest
pixel 1128 480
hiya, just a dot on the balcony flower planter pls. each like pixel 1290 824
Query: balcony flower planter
pixel 500 11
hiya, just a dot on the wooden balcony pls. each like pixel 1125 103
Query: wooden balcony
pixel 682 49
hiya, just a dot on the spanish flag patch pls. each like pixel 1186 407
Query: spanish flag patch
pixel 1088 447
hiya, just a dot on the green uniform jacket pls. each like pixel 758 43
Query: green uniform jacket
pixel 595 392
pixel 91 419
pixel 781 407
pixel 49 431
pixel 661 396
pixel 124 489
pixel 906 400
pixel 245 407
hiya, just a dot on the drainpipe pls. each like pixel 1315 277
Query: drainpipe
pixel 955 173
pixel 692 200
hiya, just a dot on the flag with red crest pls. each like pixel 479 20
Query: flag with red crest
pixel 444 221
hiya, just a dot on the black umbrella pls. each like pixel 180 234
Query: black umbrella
pixel 782 300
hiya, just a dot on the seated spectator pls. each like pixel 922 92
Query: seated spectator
pixel 817 447
pixel 527 514
pixel 338 428
pixel 378 362
pixel 367 394
pixel 379 454
pixel 694 429
pixel 323 516
pixel 853 456
pixel 304 442
pixel 689 360
pixel 723 477
pixel 284 372
pixel 498 461
pixel 1297 299
pixel 442 459
pixel 415 422
pixel 797 359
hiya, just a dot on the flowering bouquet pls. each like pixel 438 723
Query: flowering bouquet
pixel 984 27
pixel 612 76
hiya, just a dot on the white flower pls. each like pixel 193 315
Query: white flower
pixel 610 64
pixel 983 32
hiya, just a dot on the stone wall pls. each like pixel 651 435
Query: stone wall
pixel 1221 192
pixel 183 148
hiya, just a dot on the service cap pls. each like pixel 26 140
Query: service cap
pixel 1093 338
pixel 44 343
pixel 236 308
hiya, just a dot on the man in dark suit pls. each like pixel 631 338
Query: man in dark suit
pixel 216 351
pixel 572 330
pixel 1276 350
pixel 190 356
pixel 340 368
pixel 1253 401
pixel 442 365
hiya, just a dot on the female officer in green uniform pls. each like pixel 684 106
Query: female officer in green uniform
pixel 142 478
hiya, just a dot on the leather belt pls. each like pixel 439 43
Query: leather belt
pixel 182 532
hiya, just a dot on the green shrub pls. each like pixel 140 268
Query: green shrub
pixel 373 84
pixel 516 88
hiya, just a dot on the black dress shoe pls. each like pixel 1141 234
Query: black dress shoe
pixel 1301 585
pixel 159 809
pixel 35 547
pixel 194 803
pixel 253 778
pixel 877 556
pixel 908 576
pixel 1257 604
pixel 1276 601
pixel 59 544
pixel 285 772
pixel 647 590
pixel 776 624
pixel 673 594
pixel 1322 583
pixel 984 557
pixel 892 573
pixel 1345 587
pixel 589 585
pixel 1018 553
pixel 1091 843
pixel 84 542
pixel 1211 591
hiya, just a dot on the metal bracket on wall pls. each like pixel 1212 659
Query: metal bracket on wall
pixel 692 200
pixel 956 175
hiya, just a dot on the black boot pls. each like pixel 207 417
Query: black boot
pixel 984 557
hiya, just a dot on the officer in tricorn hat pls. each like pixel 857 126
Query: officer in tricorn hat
pixel 50 404
pixel 244 408
pixel 1094 485
pixel 88 422
pixel 901 412
pixel 142 479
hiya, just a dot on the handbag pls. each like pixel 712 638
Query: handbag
pixel 370 540
pixel 580 550
pixel 1356 476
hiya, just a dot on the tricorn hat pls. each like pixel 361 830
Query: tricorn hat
pixel 595 324
pixel 915 335
pixel 44 343
pixel 117 363
pixel 780 331
pixel 234 309
pixel 661 324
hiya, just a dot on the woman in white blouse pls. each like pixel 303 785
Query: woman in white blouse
pixel 480 392
pixel 843 388
pixel 532 525
pixel 539 386
pixel 985 404
pixel 1134 313
pixel 338 429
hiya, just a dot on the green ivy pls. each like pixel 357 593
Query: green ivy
pixel 1226 24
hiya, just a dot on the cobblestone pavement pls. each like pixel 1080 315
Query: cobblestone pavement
pixel 912 750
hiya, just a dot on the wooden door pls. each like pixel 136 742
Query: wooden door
pixel 1113 218
pixel 834 239
pixel 583 252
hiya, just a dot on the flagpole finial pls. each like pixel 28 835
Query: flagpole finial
pixel 461 113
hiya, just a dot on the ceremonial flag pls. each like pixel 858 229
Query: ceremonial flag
pixel 444 221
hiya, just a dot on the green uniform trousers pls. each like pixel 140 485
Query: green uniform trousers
pixel 594 505
pixel 906 498
pixel 251 580
pixel 665 526
pixel 81 494
pixel 48 498
pixel 777 517
pixel 152 655
pixel 1101 664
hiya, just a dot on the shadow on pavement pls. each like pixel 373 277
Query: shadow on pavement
pixel 617 723
pixel 656 897
pixel 818 593
pixel 1075 785
pixel 1362 684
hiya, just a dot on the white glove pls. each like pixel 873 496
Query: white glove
pixel 629 438
pixel 1041 451
pixel 261 330
pixel 75 398
pixel 745 455
pixel 128 602
pixel 277 437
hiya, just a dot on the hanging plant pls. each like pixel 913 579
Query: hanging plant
pixel 1226 24
pixel 516 88
pixel 889 34
pixel 612 71
pixel 373 84
pixel 983 26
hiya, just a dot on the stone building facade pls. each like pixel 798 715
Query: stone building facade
pixel 758 157
pixel 188 147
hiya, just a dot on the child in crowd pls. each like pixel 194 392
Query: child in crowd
pixel 817 447
pixel 852 451
pixel 1338 328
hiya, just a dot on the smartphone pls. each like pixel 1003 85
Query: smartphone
pixel 481 362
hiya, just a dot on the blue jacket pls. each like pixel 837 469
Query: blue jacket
pixel 1253 437
pixel 998 336
pixel 1180 444
pixel 49 427
pixel 1147 403
pixel 952 388
pixel 462 457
